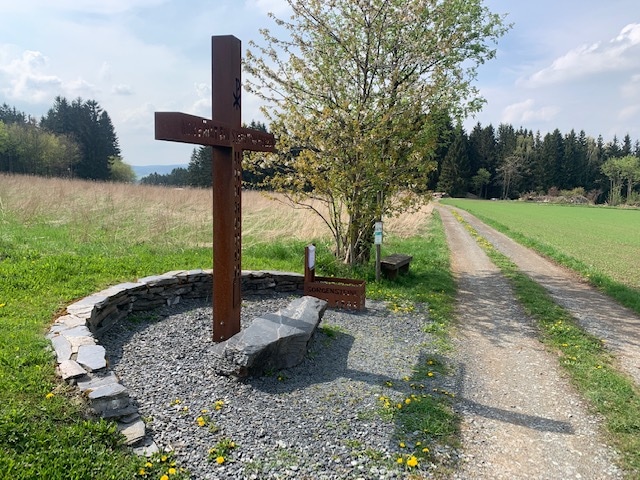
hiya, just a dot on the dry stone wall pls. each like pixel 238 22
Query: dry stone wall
pixel 82 361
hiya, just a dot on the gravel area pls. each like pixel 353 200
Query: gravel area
pixel 319 420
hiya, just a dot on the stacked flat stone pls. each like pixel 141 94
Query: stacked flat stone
pixel 82 362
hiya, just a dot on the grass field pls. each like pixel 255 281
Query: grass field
pixel 61 240
pixel 602 244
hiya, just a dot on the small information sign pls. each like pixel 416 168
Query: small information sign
pixel 377 234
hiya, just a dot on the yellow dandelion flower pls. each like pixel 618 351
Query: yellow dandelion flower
pixel 400 460
pixel 418 444
pixel 204 410
pixel 49 395
pixel 412 461
pixel 142 472
pixel 399 405
pixel 164 477
pixel 407 401
pixel 163 458
pixel 430 374
pixel 171 471
pixel 220 460
pixel 402 444
pixel 2 305
pixel 148 464
pixel 405 378
pixel 425 450
pixel 201 421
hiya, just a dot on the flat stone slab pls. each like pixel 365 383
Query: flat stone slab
pixel 97 382
pixel 70 369
pixel 71 321
pixel 62 348
pixel 273 340
pixel 77 342
pixel 133 431
pixel 92 357
pixel 79 331
pixel 113 390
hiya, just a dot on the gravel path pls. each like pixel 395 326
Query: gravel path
pixel 597 313
pixel 521 417
pixel 318 420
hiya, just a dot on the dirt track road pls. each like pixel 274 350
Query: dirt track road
pixel 521 417
pixel 597 313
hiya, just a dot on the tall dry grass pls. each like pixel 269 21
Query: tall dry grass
pixel 142 213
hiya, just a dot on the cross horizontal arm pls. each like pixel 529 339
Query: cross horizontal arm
pixel 181 127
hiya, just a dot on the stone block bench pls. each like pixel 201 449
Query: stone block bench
pixel 272 341
pixel 391 265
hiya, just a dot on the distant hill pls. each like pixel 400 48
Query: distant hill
pixel 144 170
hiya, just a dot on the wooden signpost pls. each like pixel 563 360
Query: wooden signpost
pixel 228 140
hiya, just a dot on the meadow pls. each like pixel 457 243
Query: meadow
pixel 602 244
pixel 61 240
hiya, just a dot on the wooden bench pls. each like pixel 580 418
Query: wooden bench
pixel 391 265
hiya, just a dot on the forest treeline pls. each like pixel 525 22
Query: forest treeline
pixel 77 139
pixel 74 139
pixel 509 163
pixel 500 163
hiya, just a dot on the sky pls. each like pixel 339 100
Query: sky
pixel 566 64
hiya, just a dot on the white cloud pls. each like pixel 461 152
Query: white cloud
pixel 105 71
pixel 203 89
pixel 122 89
pixel 629 113
pixel 26 79
pixel 139 118
pixel 201 107
pixel 80 88
pixel 277 7
pixel 631 89
pixel 107 7
pixel 620 54
pixel 526 112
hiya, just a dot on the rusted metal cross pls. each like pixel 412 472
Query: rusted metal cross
pixel 228 140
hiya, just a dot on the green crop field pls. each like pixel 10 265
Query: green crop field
pixel 592 240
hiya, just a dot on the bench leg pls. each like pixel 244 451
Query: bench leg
pixel 390 274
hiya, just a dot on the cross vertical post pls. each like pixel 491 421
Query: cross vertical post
pixel 227 189
pixel 228 140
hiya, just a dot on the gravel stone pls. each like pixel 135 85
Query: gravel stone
pixel 315 420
